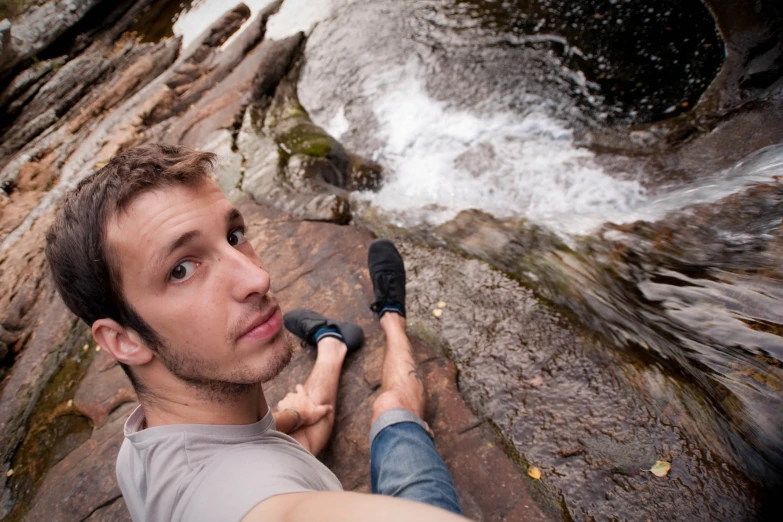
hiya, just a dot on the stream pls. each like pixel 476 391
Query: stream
pixel 474 109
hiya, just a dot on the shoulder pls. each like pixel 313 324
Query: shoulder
pixel 237 478
pixel 151 472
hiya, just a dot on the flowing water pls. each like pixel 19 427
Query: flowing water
pixel 475 105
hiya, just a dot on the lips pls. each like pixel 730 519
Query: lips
pixel 264 326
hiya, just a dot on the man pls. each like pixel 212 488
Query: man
pixel 154 258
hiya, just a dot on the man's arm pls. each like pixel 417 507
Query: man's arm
pixel 343 506
pixel 307 413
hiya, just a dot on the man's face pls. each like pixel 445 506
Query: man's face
pixel 189 272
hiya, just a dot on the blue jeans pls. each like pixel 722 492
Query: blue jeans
pixel 405 464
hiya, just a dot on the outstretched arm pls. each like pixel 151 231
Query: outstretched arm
pixel 343 506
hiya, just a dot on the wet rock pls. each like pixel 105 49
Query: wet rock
pixel 69 103
pixel 264 181
pixel 222 108
pixel 594 424
pixel 220 64
pixel 85 480
pixel 53 100
pixel 104 389
pixel 754 51
pixel 27 83
pixel 37 28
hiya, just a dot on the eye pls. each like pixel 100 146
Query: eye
pixel 236 236
pixel 182 272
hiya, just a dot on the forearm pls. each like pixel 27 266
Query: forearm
pixel 334 506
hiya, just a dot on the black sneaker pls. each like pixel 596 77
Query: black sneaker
pixel 387 272
pixel 311 327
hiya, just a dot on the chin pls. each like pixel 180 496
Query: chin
pixel 277 357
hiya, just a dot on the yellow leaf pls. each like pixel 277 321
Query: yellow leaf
pixel 534 472
pixel 660 468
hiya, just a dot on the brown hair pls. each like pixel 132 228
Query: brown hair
pixel 87 277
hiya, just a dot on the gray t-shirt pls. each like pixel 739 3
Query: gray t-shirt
pixel 195 472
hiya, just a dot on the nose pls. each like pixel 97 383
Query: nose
pixel 244 274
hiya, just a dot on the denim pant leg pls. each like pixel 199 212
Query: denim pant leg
pixel 405 464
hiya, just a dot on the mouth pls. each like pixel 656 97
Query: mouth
pixel 265 326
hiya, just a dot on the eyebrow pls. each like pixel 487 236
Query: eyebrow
pixel 187 238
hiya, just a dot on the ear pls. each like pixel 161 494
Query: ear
pixel 124 344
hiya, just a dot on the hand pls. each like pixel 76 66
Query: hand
pixel 300 401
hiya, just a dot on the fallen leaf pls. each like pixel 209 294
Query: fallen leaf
pixel 660 468
pixel 441 304
pixel 437 312
pixel 536 381
pixel 534 472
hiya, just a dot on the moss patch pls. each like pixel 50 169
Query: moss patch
pixel 55 428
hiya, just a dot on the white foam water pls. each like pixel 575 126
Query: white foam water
pixel 440 160
pixel 298 15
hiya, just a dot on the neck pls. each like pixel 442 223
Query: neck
pixel 186 403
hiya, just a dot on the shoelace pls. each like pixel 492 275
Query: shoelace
pixel 386 290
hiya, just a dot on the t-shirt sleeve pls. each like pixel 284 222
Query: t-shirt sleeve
pixel 231 484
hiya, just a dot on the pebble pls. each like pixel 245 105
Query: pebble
pixel 85 347
pixel 441 304
pixel 70 403
pixel 97 348
pixel 437 312
pixel 10 472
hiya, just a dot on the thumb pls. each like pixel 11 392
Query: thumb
pixel 322 410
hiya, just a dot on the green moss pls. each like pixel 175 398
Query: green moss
pixel 308 139
pixel 54 429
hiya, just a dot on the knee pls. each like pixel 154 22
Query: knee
pixel 388 400
pixel 392 400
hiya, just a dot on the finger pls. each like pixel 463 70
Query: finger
pixel 322 410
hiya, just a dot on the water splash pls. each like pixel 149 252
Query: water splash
pixel 445 159
pixel 442 159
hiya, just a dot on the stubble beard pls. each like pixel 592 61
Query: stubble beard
pixel 199 373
